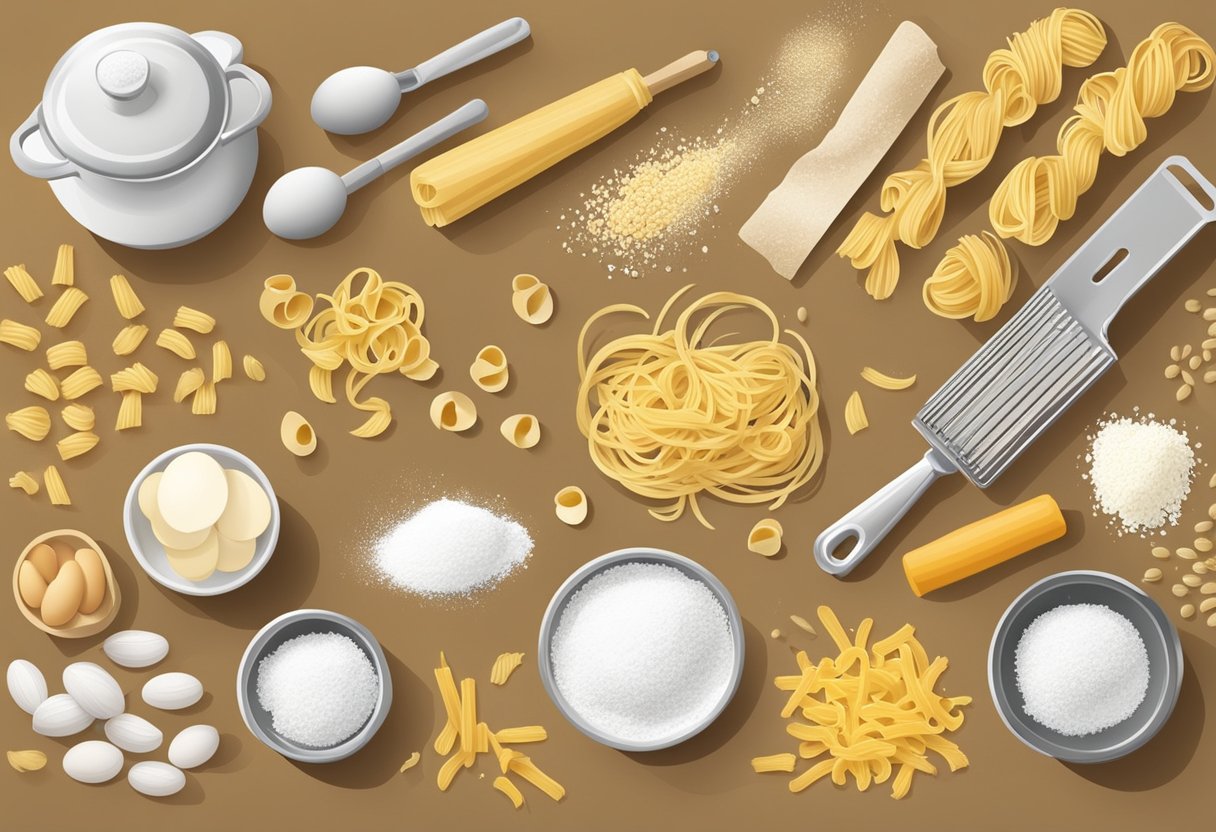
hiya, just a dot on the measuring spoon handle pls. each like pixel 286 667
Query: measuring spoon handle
pixel 481 45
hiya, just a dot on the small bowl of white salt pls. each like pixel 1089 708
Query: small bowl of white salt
pixel 314 685
pixel 1085 667
pixel 641 649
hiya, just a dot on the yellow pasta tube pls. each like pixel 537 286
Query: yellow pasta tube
pixel 78 416
pixel 468 718
pixel 23 283
pixel 125 299
pixel 24 481
pixel 76 444
pixel 19 335
pixel 129 338
pixel 188 382
pixel 137 377
pixel 41 383
pixel 774 762
pixel 176 343
pixel 254 371
pixel 33 422
pixel 452 707
pixel 55 489
pixel 66 354
pixel 525 768
pixel 886 382
pixel 65 266
pixel 503 667
pixel 80 382
pixel 194 320
pixel 508 788
pixel 450 768
pixel 204 401
pixel 525 733
pixel 65 307
pixel 221 361
pixel 855 414
pixel 413 760
pixel 130 410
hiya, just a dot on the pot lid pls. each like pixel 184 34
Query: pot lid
pixel 137 100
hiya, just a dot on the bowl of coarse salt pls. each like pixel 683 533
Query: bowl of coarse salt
pixel 641 649
pixel 1085 667
pixel 314 685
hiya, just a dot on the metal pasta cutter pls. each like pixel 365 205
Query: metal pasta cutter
pixel 1038 363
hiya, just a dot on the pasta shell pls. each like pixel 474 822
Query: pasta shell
pixel 453 411
pixel 425 371
pixel 522 430
pixel 765 538
pixel 489 370
pixel 570 505
pixel 531 299
pixel 297 434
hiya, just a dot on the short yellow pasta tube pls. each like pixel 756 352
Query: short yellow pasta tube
pixel 136 378
pixel 33 422
pixel 21 280
pixel 886 382
pixel 221 361
pixel 41 383
pixel 254 371
pixel 65 307
pixel 65 266
pixel 855 414
pixel 188 382
pixel 176 343
pixel 80 382
pixel 204 401
pixel 129 338
pixel 76 444
pixel 66 354
pixel 511 790
pixel 128 303
pixel 525 733
pixel 78 416
pixel 774 762
pixel 55 488
pixel 504 666
pixel 130 410
pixel 19 335
pixel 282 304
pixel 194 320
pixel 24 481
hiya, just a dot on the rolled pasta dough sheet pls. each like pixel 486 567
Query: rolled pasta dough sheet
pixel 797 213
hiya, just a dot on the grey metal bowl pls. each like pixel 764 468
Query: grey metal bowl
pixel 267 640
pixel 1160 641
pixel 586 572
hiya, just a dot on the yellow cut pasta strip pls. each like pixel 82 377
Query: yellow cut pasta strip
pixel 125 299
pixel 176 343
pixel 413 760
pixel 774 762
pixel 41 383
pixel 66 354
pixel 55 489
pixel 525 733
pixel 468 718
pixel 204 401
pixel 855 414
pixel 25 481
pixel 525 768
pixel 33 422
pixel 451 705
pixel 78 416
pixel 129 338
pixel 65 307
pixel 137 377
pixel 378 422
pixel 65 266
pixel 510 790
pixel 188 382
pixel 76 444
pixel 886 382
pixel 194 320
pixel 221 361
pixel 130 410
pixel 19 335
pixel 254 371
pixel 80 382
pixel 21 280
pixel 504 666
pixel 321 382
pixel 450 768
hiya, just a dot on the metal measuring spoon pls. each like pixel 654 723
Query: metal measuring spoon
pixel 361 98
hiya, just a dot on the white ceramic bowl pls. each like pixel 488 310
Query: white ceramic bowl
pixel 151 555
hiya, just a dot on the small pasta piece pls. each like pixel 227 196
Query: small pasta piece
pixel 176 343
pixel 774 762
pixel 511 790
pixel 129 338
pixel 65 266
pixel 80 382
pixel 128 303
pixel 21 280
pixel 522 430
pixel 194 320
pixel 523 733
pixel 221 361
pixel 531 299
pixel 570 505
pixel 41 383
pixel 282 304
pixel 525 768
pixel 453 411
pixel 33 422
pixel 78 416
pixel 765 537
pixel 855 414
pixel 66 354
pixel 321 382
pixel 204 401
pixel 886 382
pixel 378 422
pixel 19 335
pixel 254 371
pixel 188 382
pixel 24 481
pixel 136 378
pixel 65 307
pixel 76 444
pixel 489 370
pixel 411 762
pixel 55 489
pixel 130 410
pixel 297 434
pixel 504 666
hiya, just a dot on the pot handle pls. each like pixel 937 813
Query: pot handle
pixel 57 169
pixel 242 72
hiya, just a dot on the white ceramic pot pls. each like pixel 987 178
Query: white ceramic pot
pixel 147 134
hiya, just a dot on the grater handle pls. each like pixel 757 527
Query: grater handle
pixel 871 521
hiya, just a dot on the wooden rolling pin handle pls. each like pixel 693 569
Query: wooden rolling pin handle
pixel 679 71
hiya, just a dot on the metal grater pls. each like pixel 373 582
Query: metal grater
pixel 1037 364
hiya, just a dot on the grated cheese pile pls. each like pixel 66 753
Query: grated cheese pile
pixel 1140 471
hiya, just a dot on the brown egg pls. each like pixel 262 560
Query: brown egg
pixel 94 580
pixel 63 595
pixel 30 585
pixel 44 560
pixel 64 551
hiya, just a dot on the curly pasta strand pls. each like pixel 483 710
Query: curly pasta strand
pixel 962 138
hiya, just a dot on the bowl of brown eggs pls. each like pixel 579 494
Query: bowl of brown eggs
pixel 64 586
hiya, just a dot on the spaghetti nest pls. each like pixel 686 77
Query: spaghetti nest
pixel 671 415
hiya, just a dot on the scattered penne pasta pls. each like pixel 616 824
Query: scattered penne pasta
pixel 21 280
pixel 83 380
pixel 176 343
pixel 855 414
pixel 204 401
pixel 188 382
pixel 33 422
pixel 504 666
pixel 194 320
pixel 55 489
pixel 41 383
pixel 254 371
pixel 76 444
pixel 66 354
pixel 65 266
pixel 886 382
pixel 65 307
pixel 136 378
pixel 19 335
pixel 130 411
pixel 125 299
pixel 78 416
pixel 129 338
pixel 221 361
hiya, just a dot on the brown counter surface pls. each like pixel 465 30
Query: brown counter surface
pixel 333 501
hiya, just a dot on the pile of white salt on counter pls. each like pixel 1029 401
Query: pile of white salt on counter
pixel 1081 668
pixel 643 652
pixel 1140 471
pixel 451 548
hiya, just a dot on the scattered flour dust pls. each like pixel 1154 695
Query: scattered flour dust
pixel 653 213
pixel 1140 470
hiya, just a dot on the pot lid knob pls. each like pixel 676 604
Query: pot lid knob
pixel 122 74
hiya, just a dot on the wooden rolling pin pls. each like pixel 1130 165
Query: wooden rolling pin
pixel 468 176
pixel 984 544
